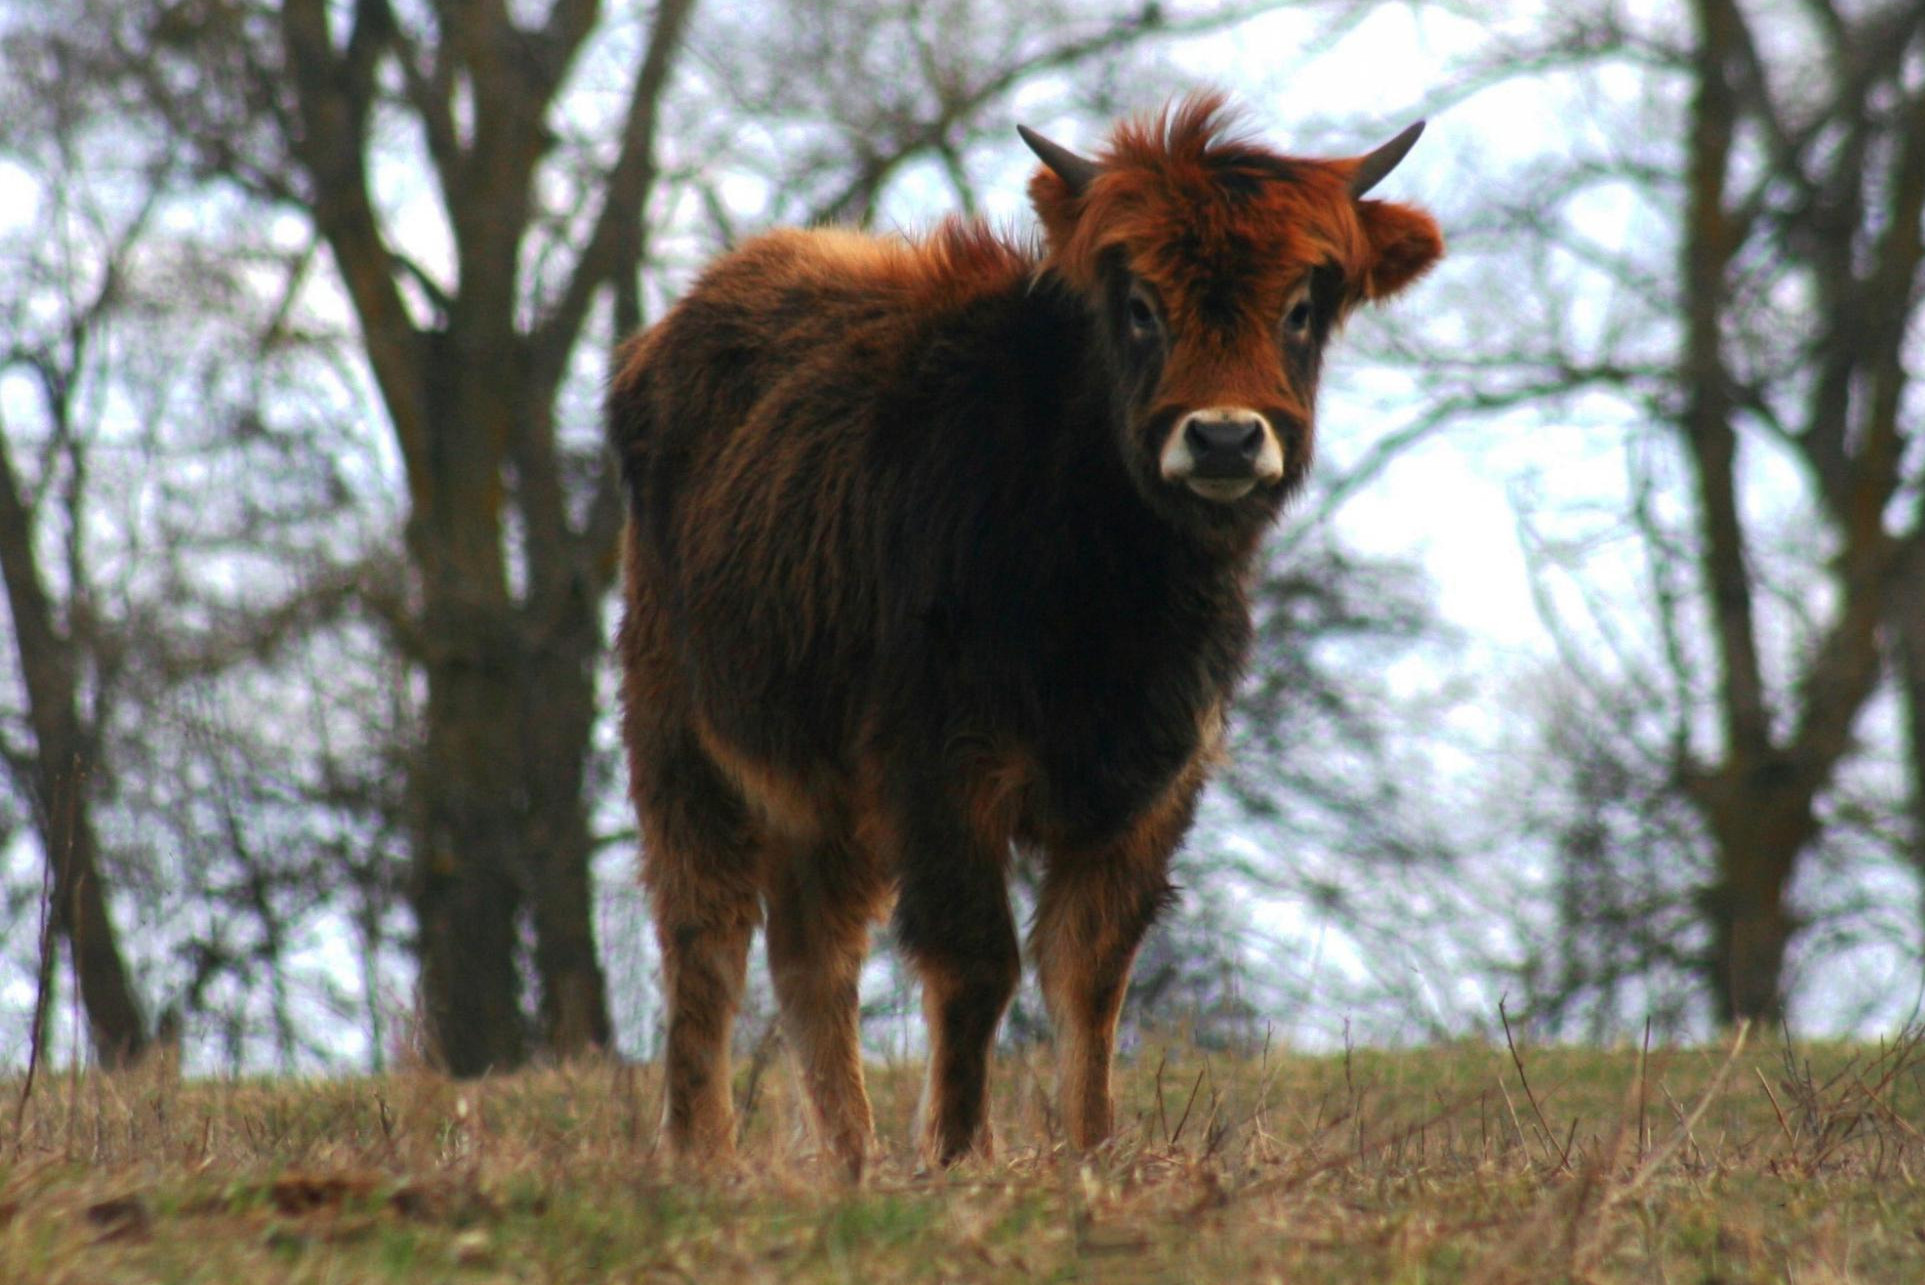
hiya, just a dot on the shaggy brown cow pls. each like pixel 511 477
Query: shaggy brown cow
pixel 941 547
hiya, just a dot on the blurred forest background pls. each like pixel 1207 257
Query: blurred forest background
pixel 1592 673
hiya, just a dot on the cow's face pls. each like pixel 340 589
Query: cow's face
pixel 1217 271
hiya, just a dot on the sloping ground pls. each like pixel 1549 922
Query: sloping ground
pixel 1462 1163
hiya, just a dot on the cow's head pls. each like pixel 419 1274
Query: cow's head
pixel 1216 270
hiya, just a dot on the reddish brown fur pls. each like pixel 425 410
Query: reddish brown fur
pixel 906 588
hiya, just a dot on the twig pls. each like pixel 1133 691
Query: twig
pixel 1550 1139
pixel 1162 1119
pixel 1349 1083
pixel 42 998
pixel 758 1063
pixel 1644 1092
pixel 1296 1178
pixel 1677 1113
pixel 1663 1153
pixel 1260 1118
pixel 1583 1247
pixel 1186 1107
pixel 76 946
pixel 1899 1058
pixel 1517 1125
pixel 1885 1110
pixel 386 1118
pixel 1215 1129
pixel 73 970
pixel 1783 1124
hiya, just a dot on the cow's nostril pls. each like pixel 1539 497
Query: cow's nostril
pixel 1252 439
pixel 1235 438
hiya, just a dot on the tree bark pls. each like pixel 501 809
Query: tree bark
pixel 469 867
pixel 470 862
pixel 560 719
pixel 1912 679
pixel 1907 633
pixel 1759 827
pixel 63 813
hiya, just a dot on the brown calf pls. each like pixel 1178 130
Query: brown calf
pixel 938 549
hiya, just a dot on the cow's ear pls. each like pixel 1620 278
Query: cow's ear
pixel 1404 244
pixel 1056 205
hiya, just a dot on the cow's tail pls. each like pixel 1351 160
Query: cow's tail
pixel 629 412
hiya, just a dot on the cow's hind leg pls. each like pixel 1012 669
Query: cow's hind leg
pixel 1092 914
pixel 702 870
pixel 820 902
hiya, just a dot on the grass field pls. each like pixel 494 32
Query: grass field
pixel 1461 1163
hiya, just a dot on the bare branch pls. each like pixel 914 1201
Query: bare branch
pixel 331 145
pixel 615 246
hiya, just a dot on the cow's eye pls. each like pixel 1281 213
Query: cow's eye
pixel 1296 322
pixel 1142 315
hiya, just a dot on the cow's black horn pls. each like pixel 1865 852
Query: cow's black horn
pixel 1076 171
pixel 1372 169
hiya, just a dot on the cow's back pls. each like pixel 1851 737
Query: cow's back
pixel 755 424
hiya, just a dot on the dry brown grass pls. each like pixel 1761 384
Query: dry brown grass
pixel 1462 1163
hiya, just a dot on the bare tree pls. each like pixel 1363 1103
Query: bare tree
pixel 509 548
pixel 187 517
pixel 64 274
pixel 61 756
pixel 1784 327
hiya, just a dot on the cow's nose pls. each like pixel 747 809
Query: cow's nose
pixel 1224 444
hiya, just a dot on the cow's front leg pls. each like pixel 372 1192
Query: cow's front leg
pixel 954 923
pixel 1095 907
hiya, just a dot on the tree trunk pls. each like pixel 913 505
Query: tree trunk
pixel 471 868
pixel 1760 816
pixel 114 1021
pixel 63 813
pixel 503 822
pixel 468 875
pixel 1749 939
pixel 557 729
pixel 561 637
pixel 1745 907
pixel 1907 632
pixel 1759 832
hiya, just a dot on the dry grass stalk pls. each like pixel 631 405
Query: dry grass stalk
pixel 1370 1166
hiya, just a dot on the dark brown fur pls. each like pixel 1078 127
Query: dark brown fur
pixel 905 589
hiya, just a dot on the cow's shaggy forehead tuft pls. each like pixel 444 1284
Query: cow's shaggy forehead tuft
pixel 1202 210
